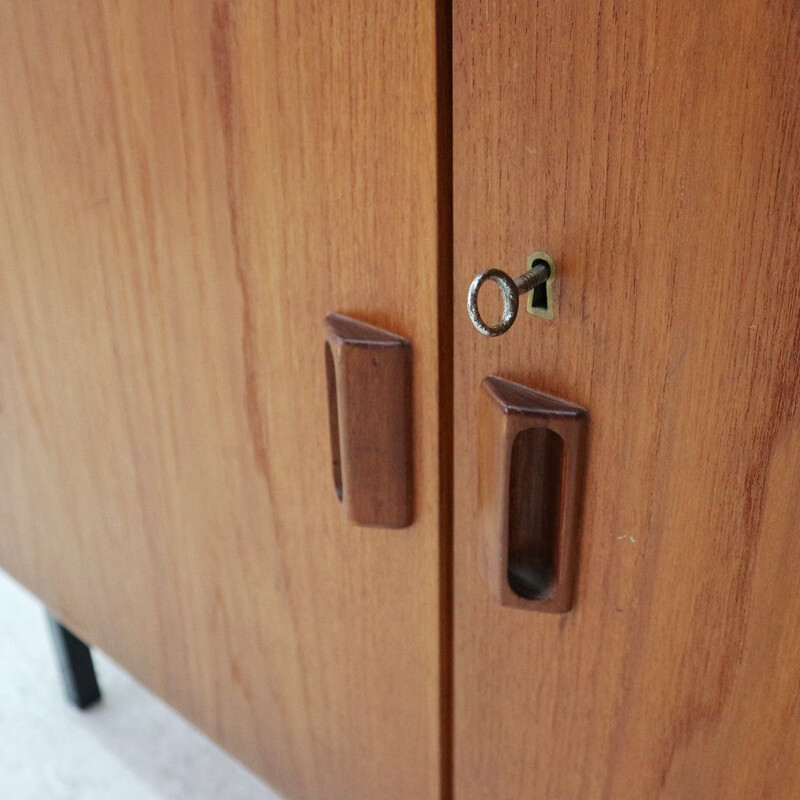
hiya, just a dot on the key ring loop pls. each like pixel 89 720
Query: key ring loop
pixel 510 294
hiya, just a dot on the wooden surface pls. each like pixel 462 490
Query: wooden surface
pixel 653 150
pixel 186 190
pixel 369 372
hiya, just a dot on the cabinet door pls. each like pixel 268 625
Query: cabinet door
pixel 187 189
pixel 653 149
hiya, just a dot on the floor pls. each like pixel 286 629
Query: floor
pixel 131 746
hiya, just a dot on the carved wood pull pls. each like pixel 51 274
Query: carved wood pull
pixel 369 402
pixel 531 474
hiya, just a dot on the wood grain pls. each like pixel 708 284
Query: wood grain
pixel 369 373
pixel 186 190
pixel 654 151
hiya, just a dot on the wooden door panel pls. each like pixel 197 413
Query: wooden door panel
pixel 653 150
pixel 187 189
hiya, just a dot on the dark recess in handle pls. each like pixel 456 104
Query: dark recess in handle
pixel 531 474
pixel 369 403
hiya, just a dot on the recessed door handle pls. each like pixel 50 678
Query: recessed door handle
pixel 369 404
pixel 531 475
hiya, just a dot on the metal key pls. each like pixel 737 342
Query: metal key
pixel 511 289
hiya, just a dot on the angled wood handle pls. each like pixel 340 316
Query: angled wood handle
pixel 531 474
pixel 369 403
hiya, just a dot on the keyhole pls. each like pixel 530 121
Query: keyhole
pixel 540 298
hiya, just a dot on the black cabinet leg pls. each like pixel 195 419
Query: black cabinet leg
pixel 75 664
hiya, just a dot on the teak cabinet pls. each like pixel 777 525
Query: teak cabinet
pixel 188 190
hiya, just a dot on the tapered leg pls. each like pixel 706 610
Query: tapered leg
pixel 75 664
